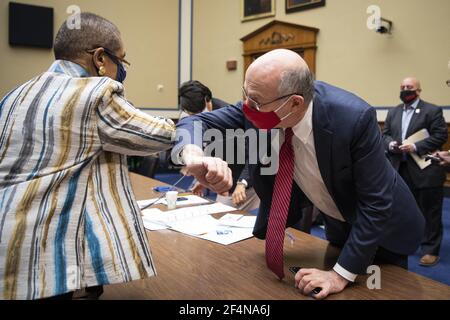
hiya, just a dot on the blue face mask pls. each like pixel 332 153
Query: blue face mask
pixel 121 71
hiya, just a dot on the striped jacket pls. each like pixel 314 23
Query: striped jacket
pixel 68 216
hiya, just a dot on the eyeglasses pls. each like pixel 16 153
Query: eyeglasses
pixel 256 105
pixel 113 57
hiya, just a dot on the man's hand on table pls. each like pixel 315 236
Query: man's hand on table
pixel 306 280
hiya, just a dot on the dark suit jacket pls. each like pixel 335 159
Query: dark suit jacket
pixel 350 152
pixel 239 171
pixel 217 103
pixel 429 117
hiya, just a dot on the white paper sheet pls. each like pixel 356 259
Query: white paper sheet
pixel 209 228
pixel 152 219
pixel 198 222
pixel 228 235
pixel 195 226
pixel 190 212
pixel 157 216
pixel 191 200
pixel 237 220
pixel 152 226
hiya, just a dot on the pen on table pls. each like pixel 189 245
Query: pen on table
pixel 291 237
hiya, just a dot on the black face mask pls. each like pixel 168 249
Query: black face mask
pixel 408 96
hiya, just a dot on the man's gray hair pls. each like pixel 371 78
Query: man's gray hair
pixel 300 81
pixel 95 32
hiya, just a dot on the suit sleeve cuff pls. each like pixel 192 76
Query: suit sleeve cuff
pixel 344 273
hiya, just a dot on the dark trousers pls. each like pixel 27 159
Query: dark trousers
pixel 430 202
pixel 91 293
pixel 337 233
pixel 66 296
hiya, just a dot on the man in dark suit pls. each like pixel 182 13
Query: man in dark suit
pixel 426 184
pixel 332 156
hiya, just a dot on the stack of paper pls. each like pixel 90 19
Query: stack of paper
pixel 198 222
pixel 167 218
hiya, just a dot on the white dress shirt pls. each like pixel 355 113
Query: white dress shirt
pixel 308 177
pixel 408 112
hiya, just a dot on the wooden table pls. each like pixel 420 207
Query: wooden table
pixel 195 269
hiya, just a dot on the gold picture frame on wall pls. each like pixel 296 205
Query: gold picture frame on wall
pixel 257 9
pixel 300 5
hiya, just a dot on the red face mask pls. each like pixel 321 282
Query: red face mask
pixel 263 120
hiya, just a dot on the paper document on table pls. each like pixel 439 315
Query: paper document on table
pixel 153 226
pixel 209 228
pixel 181 214
pixel 181 201
pixel 416 137
pixel 228 235
pixel 195 226
pixel 238 221
pixel 152 219
pixel 200 210
pixel 198 222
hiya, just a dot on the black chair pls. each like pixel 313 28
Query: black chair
pixel 145 166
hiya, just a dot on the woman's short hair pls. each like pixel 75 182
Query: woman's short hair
pixel 94 32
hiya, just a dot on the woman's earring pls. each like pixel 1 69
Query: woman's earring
pixel 101 71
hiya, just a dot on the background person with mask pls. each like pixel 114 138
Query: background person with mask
pixel 195 98
pixel 70 219
pixel 331 155
pixel 426 185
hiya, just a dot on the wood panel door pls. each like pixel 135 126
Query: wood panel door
pixel 281 35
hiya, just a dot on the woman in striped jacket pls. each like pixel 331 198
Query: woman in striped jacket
pixel 68 216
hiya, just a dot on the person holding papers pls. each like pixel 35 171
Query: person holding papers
pixel 331 155
pixel 422 126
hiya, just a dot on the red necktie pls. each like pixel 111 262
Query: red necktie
pixel 281 200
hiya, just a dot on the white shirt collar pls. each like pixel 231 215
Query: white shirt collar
pixel 414 105
pixel 303 129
